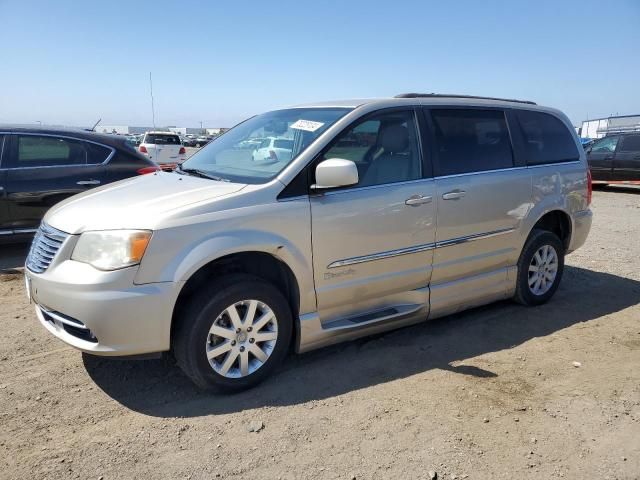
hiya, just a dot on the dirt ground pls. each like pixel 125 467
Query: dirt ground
pixel 488 394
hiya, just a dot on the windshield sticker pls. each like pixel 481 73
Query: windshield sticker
pixel 307 125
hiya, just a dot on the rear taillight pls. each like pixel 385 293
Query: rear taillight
pixel 143 149
pixel 273 156
pixel 589 186
pixel 182 151
pixel 145 170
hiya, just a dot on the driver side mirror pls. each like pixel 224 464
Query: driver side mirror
pixel 335 172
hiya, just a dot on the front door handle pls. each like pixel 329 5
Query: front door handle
pixel 415 200
pixel 454 195
pixel 88 182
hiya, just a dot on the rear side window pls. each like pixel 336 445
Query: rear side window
pixel 630 143
pixel 471 141
pixel 161 139
pixel 45 151
pixel 97 153
pixel 546 138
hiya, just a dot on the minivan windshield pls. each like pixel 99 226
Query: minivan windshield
pixel 258 149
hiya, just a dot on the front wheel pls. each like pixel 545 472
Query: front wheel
pixel 233 333
pixel 540 268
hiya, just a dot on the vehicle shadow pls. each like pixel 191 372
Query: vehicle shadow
pixel 618 188
pixel 158 388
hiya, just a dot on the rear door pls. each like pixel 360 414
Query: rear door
pixel 45 169
pixel 626 164
pixel 600 158
pixel 482 196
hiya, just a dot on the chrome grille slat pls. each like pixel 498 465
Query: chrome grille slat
pixel 45 246
pixel 49 242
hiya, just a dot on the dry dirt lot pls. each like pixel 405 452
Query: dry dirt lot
pixel 487 394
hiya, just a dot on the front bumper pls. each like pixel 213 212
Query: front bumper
pixel 121 318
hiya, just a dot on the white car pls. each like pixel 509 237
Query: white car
pixel 274 149
pixel 163 147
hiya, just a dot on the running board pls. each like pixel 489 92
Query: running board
pixel 380 316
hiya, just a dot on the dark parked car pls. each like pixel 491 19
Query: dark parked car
pixel 615 159
pixel 39 167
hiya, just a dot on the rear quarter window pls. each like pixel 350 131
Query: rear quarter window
pixel 546 138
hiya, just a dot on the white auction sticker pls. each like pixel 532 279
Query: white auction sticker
pixel 307 125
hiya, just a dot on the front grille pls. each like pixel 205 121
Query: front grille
pixel 44 247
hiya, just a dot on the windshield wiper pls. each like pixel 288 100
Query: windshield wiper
pixel 199 173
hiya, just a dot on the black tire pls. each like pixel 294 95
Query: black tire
pixel 198 315
pixel 537 239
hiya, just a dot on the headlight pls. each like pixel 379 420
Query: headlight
pixel 111 249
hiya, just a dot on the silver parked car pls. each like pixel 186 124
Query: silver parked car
pixel 388 212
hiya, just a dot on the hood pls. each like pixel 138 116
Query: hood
pixel 136 203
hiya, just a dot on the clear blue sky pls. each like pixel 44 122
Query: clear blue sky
pixel 67 62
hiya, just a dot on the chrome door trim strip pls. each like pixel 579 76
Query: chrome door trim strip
pixel 418 248
pixel 382 255
pixel 470 238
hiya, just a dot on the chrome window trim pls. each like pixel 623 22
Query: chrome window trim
pixel 419 248
pixel 106 161
pixel 370 187
pixel 509 169
pixel 567 162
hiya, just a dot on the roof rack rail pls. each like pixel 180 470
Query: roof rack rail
pixel 445 95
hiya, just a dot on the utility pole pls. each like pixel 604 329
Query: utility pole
pixel 153 110
pixel 201 131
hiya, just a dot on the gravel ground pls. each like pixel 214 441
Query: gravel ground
pixel 498 392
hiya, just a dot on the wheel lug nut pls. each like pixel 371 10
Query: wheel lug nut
pixel 249 329
pixel 242 349
pixel 237 330
pixel 251 340
pixel 233 342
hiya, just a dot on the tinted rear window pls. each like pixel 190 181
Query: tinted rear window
pixel 630 143
pixel 546 138
pixel 471 141
pixel 162 139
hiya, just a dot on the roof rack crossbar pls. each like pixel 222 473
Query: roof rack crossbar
pixel 444 95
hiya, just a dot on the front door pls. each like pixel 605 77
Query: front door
pixel 600 158
pixel 373 242
pixel 626 164
pixel 481 198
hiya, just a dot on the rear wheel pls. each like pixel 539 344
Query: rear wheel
pixel 233 333
pixel 540 268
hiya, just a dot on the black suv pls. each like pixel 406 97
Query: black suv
pixel 615 159
pixel 40 167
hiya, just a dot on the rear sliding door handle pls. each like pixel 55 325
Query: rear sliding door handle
pixel 88 182
pixel 415 200
pixel 454 195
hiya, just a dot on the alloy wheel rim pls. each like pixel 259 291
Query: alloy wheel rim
pixel 242 338
pixel 543 270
